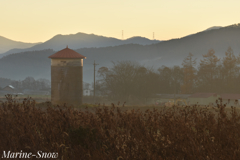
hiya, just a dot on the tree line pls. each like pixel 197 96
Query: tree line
pixel 28 83
pixel 127 79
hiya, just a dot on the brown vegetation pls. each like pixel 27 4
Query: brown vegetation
pixel 110 133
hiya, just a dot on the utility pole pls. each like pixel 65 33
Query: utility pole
pixel 153 36
pixel 94 81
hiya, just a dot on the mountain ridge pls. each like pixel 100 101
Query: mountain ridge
pixel 168 53
pixel 81 40
pixel 7 44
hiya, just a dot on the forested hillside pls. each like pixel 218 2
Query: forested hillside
pixel 168 53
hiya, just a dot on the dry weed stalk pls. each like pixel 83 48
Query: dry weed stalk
pixel 110 133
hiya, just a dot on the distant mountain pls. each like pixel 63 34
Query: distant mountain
pixel 208 29
pixel 81 40
pixel 140 40
pixel 168 53
pixel 7 44
pixel 214 27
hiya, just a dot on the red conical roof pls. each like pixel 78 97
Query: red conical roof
pixel 67 54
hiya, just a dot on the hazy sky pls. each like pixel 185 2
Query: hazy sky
pixel 40 20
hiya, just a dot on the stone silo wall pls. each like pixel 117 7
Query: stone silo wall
pixel 67 81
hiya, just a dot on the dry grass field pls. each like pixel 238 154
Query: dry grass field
pixel 120 132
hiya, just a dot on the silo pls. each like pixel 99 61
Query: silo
pixel 67 77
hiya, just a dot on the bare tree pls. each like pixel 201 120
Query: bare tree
pixel 127 80
pixel 189 74
pixel 207 72
pixel 231 70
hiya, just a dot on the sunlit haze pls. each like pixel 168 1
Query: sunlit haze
pixel 38 21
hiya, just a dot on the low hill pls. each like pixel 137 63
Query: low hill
pixel 81 40
pixel 8 44
pixel 168 53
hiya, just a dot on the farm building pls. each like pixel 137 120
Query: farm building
pixel 230 99
pixel 9 88
pixel 203 98
pixel 87 92
pixel 67 77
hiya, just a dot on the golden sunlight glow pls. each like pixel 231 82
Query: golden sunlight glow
pixel 38 21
